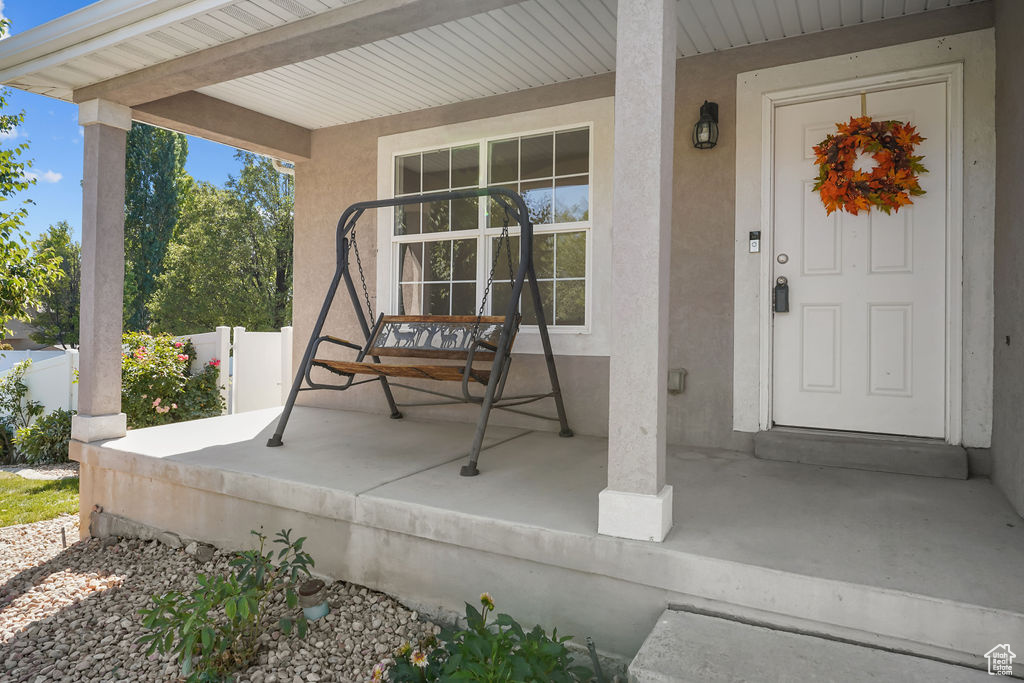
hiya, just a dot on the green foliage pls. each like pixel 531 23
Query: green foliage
pixel 215 629
pixel 23 501
pixel 154 179
pixel 211 276
pixel 157 384
pixel 231 257
pixel 500 652
pixel 46 439
pixel 17 411
pixel 268 198
pixel 56 317
pixel 24 276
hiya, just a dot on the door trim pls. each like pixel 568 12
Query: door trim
pixel 758 94
pixel 951 75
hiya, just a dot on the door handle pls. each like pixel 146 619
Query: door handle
pixel 780 300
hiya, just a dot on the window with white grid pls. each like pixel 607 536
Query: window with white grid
pixel 442 252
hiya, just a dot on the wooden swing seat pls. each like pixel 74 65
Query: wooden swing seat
pixel 449 337
pixel 443 373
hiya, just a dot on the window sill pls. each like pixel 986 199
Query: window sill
pixel 575 341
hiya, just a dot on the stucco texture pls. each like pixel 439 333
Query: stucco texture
pixel 343 170
pixel 1008 385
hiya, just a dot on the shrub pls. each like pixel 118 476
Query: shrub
pixel 158 386
pixel 215 629
pixel 46 439
pixel 16 410
pixel 502 651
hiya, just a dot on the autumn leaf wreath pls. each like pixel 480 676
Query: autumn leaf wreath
pixel 844 184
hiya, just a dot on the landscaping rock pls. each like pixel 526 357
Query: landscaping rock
pixel 170 539
pixel 73 614
pixel 204 553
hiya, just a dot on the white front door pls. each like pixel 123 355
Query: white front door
pixel 862 347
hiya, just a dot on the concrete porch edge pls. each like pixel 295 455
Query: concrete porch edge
pixel 382 514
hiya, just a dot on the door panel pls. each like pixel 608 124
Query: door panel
pixel 863 346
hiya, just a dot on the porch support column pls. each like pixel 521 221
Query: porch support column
pixel 99 380
pixel 637 503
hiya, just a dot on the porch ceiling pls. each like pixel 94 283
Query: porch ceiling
pixel 511 47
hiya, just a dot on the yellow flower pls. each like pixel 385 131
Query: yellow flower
pixel 405 649
pixel 419 659
pixel 378 673
pixel 487 601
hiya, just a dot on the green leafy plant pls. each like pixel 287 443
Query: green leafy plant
pixel 215 629
pixel 56 318
pixel 24 276
pixel 499 652
pixel 46 439
pixel 17 411
pixel 157 383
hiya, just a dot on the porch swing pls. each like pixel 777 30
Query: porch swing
pixel 466 338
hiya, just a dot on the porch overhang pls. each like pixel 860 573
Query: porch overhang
pixel 292 67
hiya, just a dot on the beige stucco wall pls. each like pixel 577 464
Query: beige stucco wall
pixel 343 169
pixel 1008 385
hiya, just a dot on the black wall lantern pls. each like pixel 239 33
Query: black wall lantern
pixel 705 132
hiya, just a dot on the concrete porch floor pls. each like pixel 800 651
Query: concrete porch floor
pixel 918 564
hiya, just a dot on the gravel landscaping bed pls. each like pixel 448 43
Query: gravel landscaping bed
pixel 63 470
pixel 71 614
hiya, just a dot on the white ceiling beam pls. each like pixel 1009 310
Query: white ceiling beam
pixel 349 26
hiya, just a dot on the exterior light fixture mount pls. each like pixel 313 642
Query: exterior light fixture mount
pixel 705 132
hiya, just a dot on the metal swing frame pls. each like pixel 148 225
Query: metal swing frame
pixel 514 206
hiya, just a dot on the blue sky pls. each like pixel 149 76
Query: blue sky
pixel 55 138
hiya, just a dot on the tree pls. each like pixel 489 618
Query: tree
pixel 56 317
pixel 212 272
pixel 268 198
pixel 230 262
pixel 24 276
pixel 154 178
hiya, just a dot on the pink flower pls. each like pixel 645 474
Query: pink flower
pixel 156 402
pixel 214 363
pixel 419 659
pixel 182 356
pixel 174 405
pixel 177 345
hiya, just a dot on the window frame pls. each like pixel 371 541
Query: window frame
pixel 484 235
pixel 590 339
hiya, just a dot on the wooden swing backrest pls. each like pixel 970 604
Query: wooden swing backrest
pixel 436 336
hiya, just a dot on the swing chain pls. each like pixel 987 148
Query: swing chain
pixel 362 276
pixel 504 239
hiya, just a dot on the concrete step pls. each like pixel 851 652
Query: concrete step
pixel 689 646
pixel 877 453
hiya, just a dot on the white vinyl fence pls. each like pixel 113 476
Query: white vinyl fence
pixel 51 381
pixel 8 359
pixel 255 369
pixel 262 369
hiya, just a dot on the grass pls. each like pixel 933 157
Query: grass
pixel 23 501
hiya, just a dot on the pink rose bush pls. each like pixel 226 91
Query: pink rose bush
pixel 158 386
